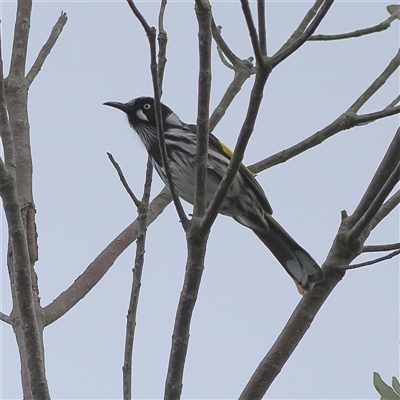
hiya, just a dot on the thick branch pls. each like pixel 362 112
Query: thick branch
pixel 47 47
pixel 20 41
pixel 21 268
pixel 203 13
pixel 5 129
pixel 101 264
pixel 292 333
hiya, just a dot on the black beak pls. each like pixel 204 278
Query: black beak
pixel 121 106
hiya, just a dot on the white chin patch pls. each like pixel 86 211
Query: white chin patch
pixel 173 120
pixel 141 115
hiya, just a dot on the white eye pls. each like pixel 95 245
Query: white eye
pixel 147 106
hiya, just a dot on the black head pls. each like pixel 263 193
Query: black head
pixel 141 111
pixel 142 118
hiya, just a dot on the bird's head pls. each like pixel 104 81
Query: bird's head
pixel 142 117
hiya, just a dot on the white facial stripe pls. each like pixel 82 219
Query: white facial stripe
pixel 173 120
pixel 141 115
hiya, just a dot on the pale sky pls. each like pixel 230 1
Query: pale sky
pixel 246 297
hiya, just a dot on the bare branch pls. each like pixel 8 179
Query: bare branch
pixel 136 283
pixel 252 32
pixel 238 154
pixel 377 84
pixel 150 31
pixel 380 247
pixel 123 180
pixel 101 264
pixel 20 41
pixel 262 31
pixel 292 333
pixel 357 33
pixel 5 318
pixel 343 122
pixel 386 209
pixel 216 31
pixel 151 35
pixel 242 73
pixel 47 47
pixel 5 129
pixel 303 24
pixel 196 239
pixel 203 13
pixel 364 119
pixel 383 182
pixel 394 102
pixel 162 44
pixel 290 48
pixel 374 261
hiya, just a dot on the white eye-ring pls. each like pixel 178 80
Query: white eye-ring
pixel 147 106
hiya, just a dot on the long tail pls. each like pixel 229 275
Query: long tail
pixel 296 261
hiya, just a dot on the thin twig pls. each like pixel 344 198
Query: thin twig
pixel 242 73
pixel 136 283
pixel 386 209
pixel 123 180
pixel 5 318
pixel 345 121
pixel 230 55
pixel 377 83
pixel 162 45
pixel 290 48
pixel 151 35
pixel 380 247
pixel 47 47
pixel 357 33
pixel 252 32
pixel 371 262
pixel 383 182
pixel 393 103
pixel 303 24
pixel 238 154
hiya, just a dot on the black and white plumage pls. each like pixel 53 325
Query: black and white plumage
pixel 245 201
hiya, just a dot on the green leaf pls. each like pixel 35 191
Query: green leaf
pixel 383 389
pixel 396 385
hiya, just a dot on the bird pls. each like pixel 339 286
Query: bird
pixel 245 201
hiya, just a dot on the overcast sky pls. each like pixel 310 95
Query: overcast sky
pixel 246 296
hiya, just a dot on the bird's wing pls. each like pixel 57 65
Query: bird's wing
pixel 248 176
